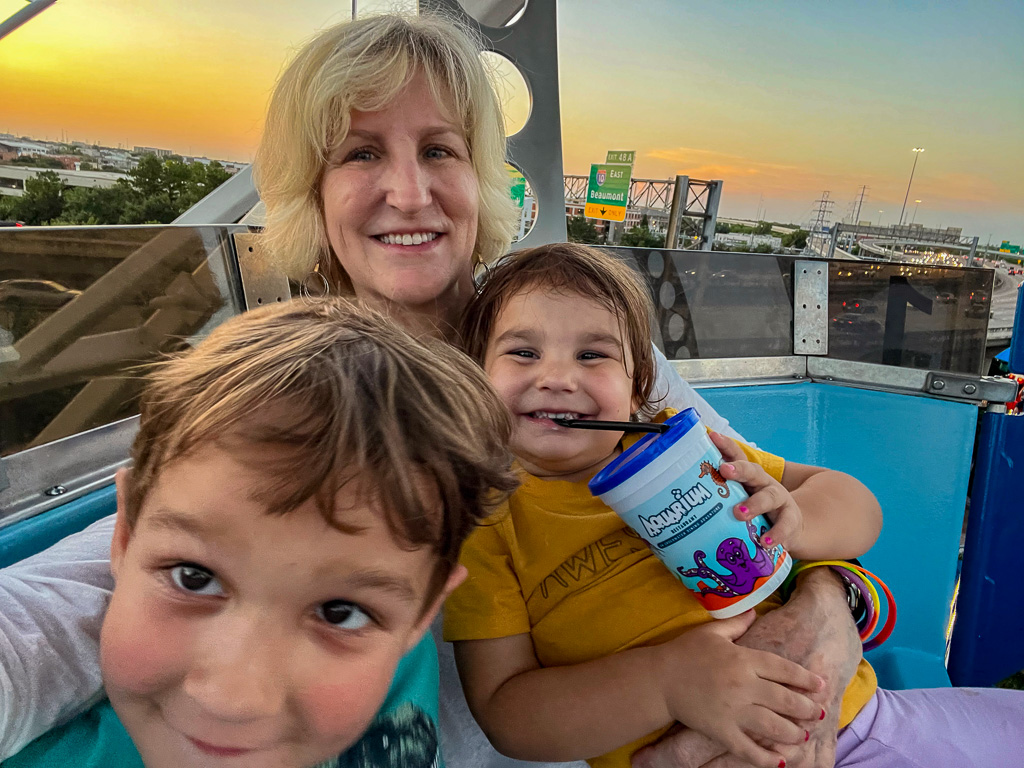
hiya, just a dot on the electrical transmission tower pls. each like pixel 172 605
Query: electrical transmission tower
pixel 860 204
pixel 820 221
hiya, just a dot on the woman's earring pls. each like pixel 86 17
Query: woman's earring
pixel 311 290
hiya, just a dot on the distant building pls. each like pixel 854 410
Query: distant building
pixel 26 147
pixel 749 240
pixel 153 151
pixel 13 178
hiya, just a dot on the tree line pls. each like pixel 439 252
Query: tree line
pixel 156 191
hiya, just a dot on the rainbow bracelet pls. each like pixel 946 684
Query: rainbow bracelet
pixel 864 580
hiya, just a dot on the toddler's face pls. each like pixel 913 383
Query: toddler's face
pixel 239 638
pixel 555 354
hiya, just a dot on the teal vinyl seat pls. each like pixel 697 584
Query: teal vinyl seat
pixel 914 453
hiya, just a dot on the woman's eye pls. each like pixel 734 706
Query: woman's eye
pixel 343 614
pixel 359 155
pixel 435 153
pixel 195 579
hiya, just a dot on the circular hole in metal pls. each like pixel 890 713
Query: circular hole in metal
pixel 667 295
pixel 510 87
pixel 503 14
pixel 656 264
pixel 522 193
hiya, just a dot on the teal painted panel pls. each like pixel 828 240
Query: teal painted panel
pixel 24 539
pixel 914 453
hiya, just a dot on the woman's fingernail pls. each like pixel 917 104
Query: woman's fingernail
pixel 730 467
pixel 807 735
pixel 768 540
pixel 822 716
pixel 743 509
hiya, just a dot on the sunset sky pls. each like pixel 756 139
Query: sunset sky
pixel 779 99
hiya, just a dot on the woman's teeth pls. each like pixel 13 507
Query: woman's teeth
pixel 554 415
pixel 414 239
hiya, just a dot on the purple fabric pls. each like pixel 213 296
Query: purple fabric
pixel 936 728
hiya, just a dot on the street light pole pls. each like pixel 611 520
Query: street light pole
pixel 914 217
pixel 917 153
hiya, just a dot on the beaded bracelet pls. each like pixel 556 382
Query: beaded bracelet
pixel 864 581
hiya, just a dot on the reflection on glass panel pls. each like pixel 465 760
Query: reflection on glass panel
pixel 81 307
pixel 913 315
pixel 714 304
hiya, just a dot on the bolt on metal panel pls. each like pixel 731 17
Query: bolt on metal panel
pixel 263 281
pixel 810 308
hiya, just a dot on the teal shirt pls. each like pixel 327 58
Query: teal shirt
pixel 403 735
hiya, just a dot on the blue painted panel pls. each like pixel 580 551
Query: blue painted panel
pixel 1017 340
pixel 914 453
pixel 24 539
pixel 986 644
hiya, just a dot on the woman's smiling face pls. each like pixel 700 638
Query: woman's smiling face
pixel 401 203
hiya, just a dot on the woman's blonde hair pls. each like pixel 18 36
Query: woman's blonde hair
pixel 364 65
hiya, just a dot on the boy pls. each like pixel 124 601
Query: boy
pixel 569 634
pixel 301 485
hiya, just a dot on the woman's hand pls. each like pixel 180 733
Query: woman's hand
pixel 768 496
pixel 815 630
pixel 740 697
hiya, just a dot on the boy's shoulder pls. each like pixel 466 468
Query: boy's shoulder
pixel 93 739
pixel 404 733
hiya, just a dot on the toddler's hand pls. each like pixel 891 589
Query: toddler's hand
pixel 738 696
pixel 767 495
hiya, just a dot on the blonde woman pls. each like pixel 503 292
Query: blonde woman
pixel 382 169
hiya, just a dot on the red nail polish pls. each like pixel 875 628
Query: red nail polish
pixel 768 540
pixel 822 717
pixel 807 735
pixel 782 764
pixel 743 508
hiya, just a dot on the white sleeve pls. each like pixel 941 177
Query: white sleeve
pixel 51 609
pixel 671 391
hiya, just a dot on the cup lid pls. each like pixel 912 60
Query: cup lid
pixel 642 453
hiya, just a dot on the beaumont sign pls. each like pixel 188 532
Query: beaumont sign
pixel 608 191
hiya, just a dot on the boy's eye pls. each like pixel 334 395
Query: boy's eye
pixel 591 356
pixel 525 353
pixel 195 579
pixel 343 614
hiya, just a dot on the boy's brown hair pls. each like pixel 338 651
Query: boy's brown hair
pixel 574 270
pixel 337 392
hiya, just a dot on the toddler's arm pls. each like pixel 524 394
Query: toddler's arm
pixel 817 513
pixel 701 678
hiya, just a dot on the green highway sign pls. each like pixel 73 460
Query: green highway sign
pixel 518 184
pixel 621 156
pixel 608 191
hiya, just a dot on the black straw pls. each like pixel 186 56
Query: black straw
pixel 617 426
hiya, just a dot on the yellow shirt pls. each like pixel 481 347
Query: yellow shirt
pixel 561 565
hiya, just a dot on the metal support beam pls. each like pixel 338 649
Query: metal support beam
pixel 679 193
pixel 18 18
pixel 711 214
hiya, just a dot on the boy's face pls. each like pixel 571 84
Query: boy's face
pixel 239 638
pixel 555 354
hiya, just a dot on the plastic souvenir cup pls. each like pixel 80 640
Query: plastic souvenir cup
pixel 668 489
